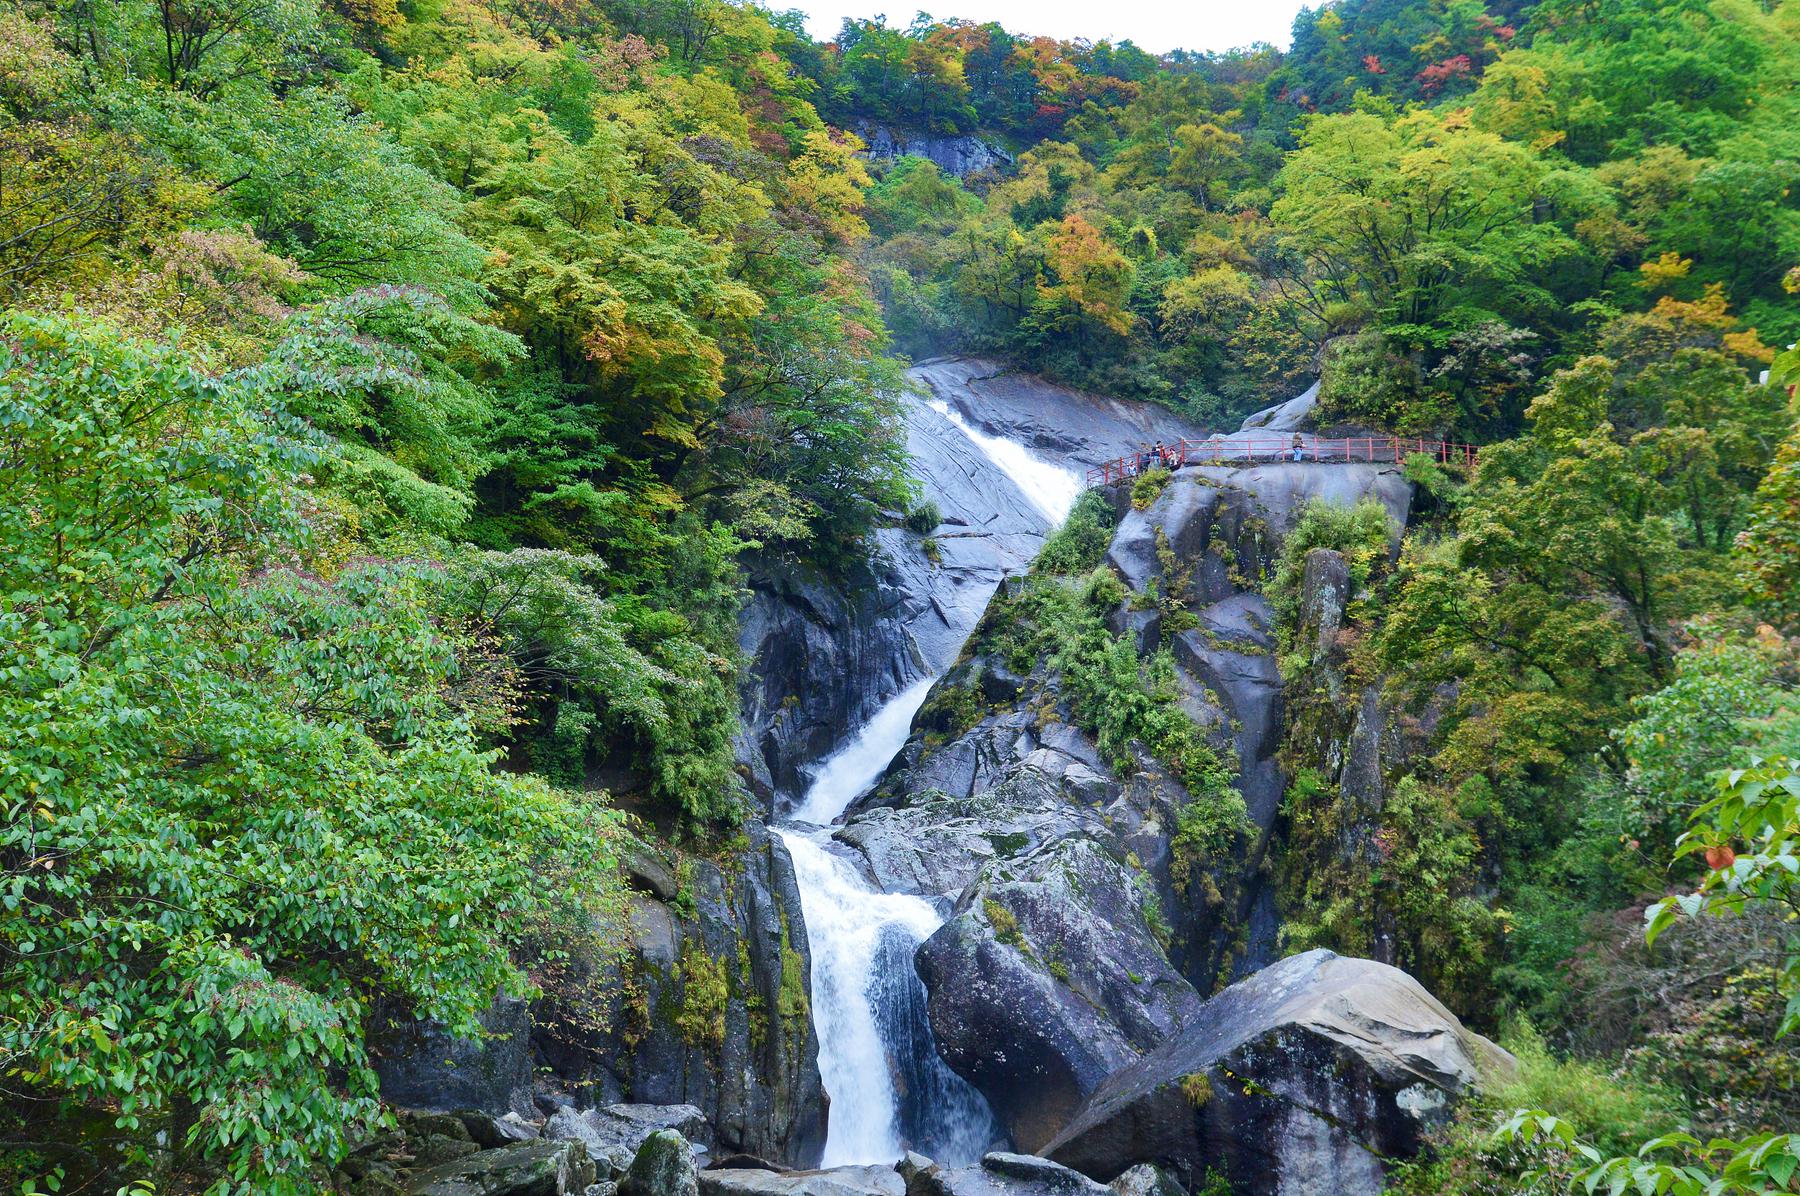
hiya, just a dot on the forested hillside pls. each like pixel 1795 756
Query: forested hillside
pixel 394 394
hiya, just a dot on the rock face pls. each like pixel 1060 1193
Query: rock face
pixel 1290 416
pixel 1061 423
pixel 710 1009
pixel 1080 938
pixel 960 156
pixel 1299 1079
pixel 825 654
pixel 421 1067
pixel 1047 980
pixel 1354 741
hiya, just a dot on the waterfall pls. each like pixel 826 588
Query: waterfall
pixel 851 769
pixel 890 1092
pixel 1052 488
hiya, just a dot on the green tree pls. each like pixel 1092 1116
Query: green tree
pixel 1408 215
pixel 239 803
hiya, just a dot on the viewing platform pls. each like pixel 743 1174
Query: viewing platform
pixel 1240 450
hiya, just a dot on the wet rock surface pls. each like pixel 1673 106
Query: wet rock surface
pixel 711 1008
pixel 1000 1174
pixel 1072 425
pixel 825 653
pixel 879 1180
pixel 1299 1079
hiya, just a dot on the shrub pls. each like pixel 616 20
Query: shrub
pixel 1360 533
pixel 1080 544
pixel 1467 1159
pixel 924 518
pixel 1148 487
pixel 263 804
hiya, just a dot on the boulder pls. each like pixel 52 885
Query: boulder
pixel 490 1132
pixel 664 1166
pixel 1283 488
pixel 937 844
pixel 628 1124
pixel 1146 1180
pixel 1048 979
pixel 421 1067
pixel 833 1181
pixel 1001 1174
pixel 1301 1078
pixel 528 1169
pixel 614 1134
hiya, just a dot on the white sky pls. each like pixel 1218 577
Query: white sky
pixel 1157 25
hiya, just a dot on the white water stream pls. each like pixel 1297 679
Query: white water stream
pixel 1052 488
pixel 875 1053
pixel 890 1092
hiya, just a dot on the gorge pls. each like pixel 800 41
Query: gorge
pixel 584 608
pixel 1067 929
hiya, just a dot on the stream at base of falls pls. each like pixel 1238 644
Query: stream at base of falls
pixel 890 1092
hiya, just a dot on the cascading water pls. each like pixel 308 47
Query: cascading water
pixel 1052 488
pixel 890 1091
pixel 854 766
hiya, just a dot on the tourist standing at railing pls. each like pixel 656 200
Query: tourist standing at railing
pixel 1299 447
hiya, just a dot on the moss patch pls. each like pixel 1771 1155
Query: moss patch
pixel 1197 1088
pixel 700 1017
pixel 1006 927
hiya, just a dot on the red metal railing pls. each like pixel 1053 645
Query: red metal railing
pixel 1377 449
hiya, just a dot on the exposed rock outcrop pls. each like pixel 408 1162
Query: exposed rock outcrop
pixel 1064 424
pixel 421 1067
pixel 711 1008
pixel 826 653
pixel 1302 1078
pixel 961 156
pixel 1294 414
pixel 1079 941
pixel 1047 980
